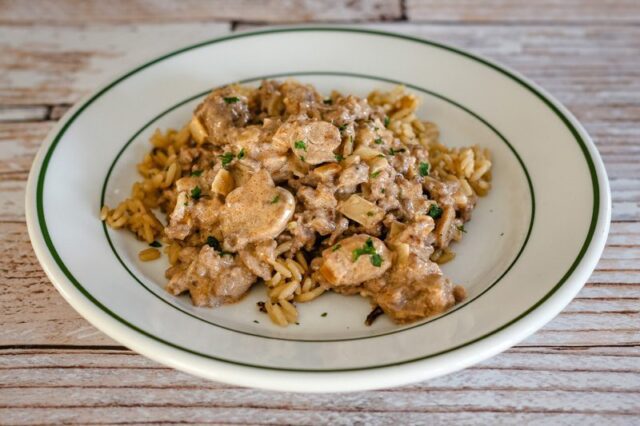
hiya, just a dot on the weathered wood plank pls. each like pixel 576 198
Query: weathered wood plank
pixel 568 11
pixel 57 65
pixel 74 385
pixel 273 11
pixel 603 314
pixel 23 113
pixel 269 416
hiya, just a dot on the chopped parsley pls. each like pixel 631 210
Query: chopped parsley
pixel 375 174
pixel 368 248
pixel 302 158
pixel 256 321
pixel 196 192
pixel 423 168
pixel 395 151
pixel 241 154
pixel 386 121
pixel 215 244
pixel 339 158
pixel 378 141
pixel 226 158
pixel 275 199
pixel 342 128
pixel 382 191
pixel 328 101
pixel 434 211
pixel 336 247
pixel 300 145
pixel 196 173
pixel 461 228
pixel 324 314
pixel 369 213
pixel 155 244
pixel 231 100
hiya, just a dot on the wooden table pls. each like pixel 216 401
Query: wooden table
pixel 582 368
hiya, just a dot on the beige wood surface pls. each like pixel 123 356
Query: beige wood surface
pixel 582 368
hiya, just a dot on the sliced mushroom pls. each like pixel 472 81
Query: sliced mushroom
pixel 362 211
pixel 352 261
pixel 223 182
pixel 313 142
pixel 255 211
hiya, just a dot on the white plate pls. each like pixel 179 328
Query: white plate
pixel 530 246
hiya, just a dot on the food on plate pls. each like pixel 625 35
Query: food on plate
pixel 306 194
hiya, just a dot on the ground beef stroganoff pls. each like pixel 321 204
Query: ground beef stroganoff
pixel 306 194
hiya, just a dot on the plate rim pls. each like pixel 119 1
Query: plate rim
pixel 579 271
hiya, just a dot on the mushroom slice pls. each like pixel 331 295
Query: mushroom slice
pixel 255 211
pixel 223 182
pixel 362 211
pixel 354 260
pixel 313 142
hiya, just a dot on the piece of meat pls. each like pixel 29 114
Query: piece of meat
pixel 441 192
pixel 212 279
pixel 299 98
pixel 256 211
pixel 259 257
pixel 191 214
pixel 445 226
pixel 347 110
pixel 407 301
pixel 319 198
pixel 353 260
pixel 220 112
pixel 353 176
pixel 312 142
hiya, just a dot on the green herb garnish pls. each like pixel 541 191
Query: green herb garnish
pixel 324 314
pixel 369 214
pixel 342 128
pixel 196 173
pixel 155 244
pixel 328 101
pixel 241 154
pixel 378 141
pixel 300 145
pixel 215 244
pixel 336 247
pixel 196 192
pixel 367 248
pixel 375 174
pixel 231 100
pixel 434 211
pixel 395 151
pixel 461 228
pixel 382 191
pixel 226 158
pixel 256 321
pixel 275 199
pixel 339 158
pixel 423 168
pixel 386 121
pixel 302 158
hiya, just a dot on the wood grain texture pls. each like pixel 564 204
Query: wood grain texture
pixel 527 384
pixel 272 11
pixel 566 11
pixel 582 368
